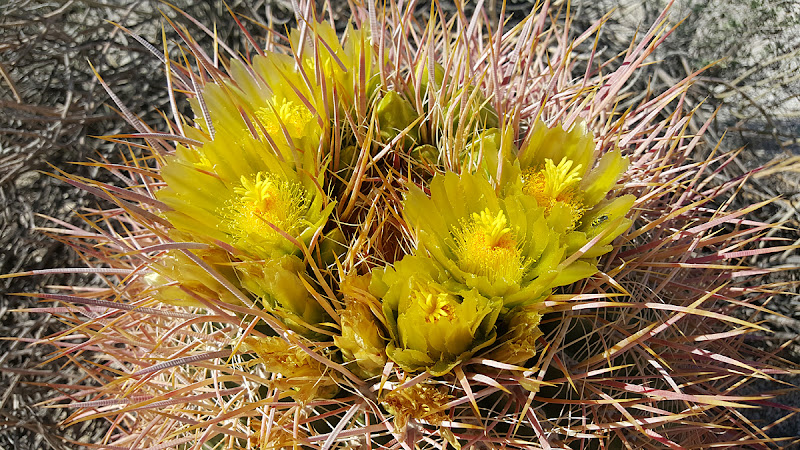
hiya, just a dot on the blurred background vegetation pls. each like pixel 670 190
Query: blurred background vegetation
pixel 51 106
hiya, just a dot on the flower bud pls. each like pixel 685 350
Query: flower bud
pixel 278 284
pixel 362 340
pixel 395 115
pixel 518 344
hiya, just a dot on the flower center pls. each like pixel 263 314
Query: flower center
pixel 262 201
pixel 292 116
pixel 553 184
pixel 486 246
pixel 435 305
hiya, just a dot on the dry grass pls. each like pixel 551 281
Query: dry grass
pixel 51 104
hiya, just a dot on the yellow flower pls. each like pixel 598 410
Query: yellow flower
pixel 432 327
pixel 503 247
pixel 263 132
pixel 254 183
pixel 252 210
pixel 559 169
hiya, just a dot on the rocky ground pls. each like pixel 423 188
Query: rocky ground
pixel 51 103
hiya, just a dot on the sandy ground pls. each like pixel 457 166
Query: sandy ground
pixel 51 103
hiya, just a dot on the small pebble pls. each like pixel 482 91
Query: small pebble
pixel 27 179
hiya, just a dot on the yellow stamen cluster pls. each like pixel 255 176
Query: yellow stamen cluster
pixel 266 200
pixel 435 305
pixel 553 184
pixel 486 246
pixel 284 113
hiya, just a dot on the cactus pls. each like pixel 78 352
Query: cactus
pixel 416 236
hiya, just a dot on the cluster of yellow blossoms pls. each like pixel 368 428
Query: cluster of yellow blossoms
pixel 491 234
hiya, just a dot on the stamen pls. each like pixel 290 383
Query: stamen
pixel 486 246
pixel 435 305
pixel 553 184
pixel 264 200
pixel 294 117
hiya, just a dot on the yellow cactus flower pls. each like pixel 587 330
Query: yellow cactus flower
pixel 503 247
pixel 260 165
pixel 252 211
pixel 559 169
pixel 254 183
pixel 303 376
pixel 432 327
